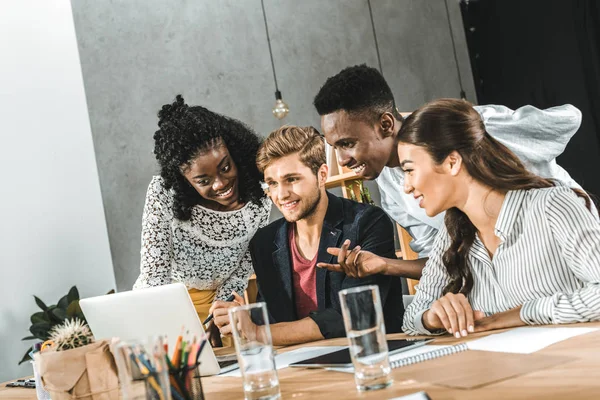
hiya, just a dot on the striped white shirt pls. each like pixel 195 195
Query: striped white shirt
pixel 548 262
pixel 536 136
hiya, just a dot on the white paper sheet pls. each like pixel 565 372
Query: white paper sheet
pixel 526 340
pixel 283 360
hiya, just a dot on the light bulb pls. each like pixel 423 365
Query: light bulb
pixel 281 109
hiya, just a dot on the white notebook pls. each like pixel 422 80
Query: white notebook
pixel 428 354
pixel 424 353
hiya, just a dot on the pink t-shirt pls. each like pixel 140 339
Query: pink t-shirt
pixel 304 278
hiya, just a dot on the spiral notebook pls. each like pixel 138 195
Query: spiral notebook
pixel 426 355
pixel 415 356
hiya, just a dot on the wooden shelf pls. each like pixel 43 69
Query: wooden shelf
pixel 338 180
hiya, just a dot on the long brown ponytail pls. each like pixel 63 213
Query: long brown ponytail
pixel 447 125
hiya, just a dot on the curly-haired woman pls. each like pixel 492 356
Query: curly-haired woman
pixel 205 206
pixel 516 249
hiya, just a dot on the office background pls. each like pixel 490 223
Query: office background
pixel 137 55
pixel 74 185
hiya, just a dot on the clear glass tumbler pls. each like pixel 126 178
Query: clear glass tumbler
pixel 254 348
pixel 365 329
pixel 42 394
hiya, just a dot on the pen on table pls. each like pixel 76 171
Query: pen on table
pixel 210 317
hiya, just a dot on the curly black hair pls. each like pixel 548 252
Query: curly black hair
pixel 185 132
pixel 357 90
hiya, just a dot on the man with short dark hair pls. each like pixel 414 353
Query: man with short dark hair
pixel 360 119
pixel 302 300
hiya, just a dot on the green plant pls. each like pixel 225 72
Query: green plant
pixel 71 334
pixel 42 322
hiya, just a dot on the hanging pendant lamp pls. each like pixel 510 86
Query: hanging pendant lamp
pixel 281 109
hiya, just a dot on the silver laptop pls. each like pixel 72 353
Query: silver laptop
pixel 156 311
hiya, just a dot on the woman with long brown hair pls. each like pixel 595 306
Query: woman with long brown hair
pixel 516 249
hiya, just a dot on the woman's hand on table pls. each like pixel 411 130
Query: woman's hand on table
pixel 453 313
pixel 506 319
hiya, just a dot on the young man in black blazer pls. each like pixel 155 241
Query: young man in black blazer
pixel 302 299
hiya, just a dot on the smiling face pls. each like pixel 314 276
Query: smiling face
pixel 432 185
pixel 213 174
pixel 293 187
pixel 360 145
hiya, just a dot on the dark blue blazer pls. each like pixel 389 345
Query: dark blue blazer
pixel 365 225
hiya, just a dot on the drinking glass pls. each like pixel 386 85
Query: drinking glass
pixel 365 329
pixel 42 394
pixel 254 349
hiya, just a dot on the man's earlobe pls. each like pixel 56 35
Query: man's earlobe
pixel 386 123
pixel 323 172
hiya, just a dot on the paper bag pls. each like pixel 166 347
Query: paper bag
pixel 87 373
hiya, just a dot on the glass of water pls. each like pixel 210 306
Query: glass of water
pixel 254 348
pixel 365 329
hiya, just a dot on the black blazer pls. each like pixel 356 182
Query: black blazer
pixel 365 225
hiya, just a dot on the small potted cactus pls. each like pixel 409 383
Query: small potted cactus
pixel 73 365
pixel 71 334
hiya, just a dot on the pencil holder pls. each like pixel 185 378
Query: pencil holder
pixel 143 370
pixel 186 383
pixel 196 391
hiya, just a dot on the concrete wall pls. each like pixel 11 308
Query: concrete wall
pixel 137 55
pixel 52 231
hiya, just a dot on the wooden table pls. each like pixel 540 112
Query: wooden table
pixel 577 379
pixel 17 393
